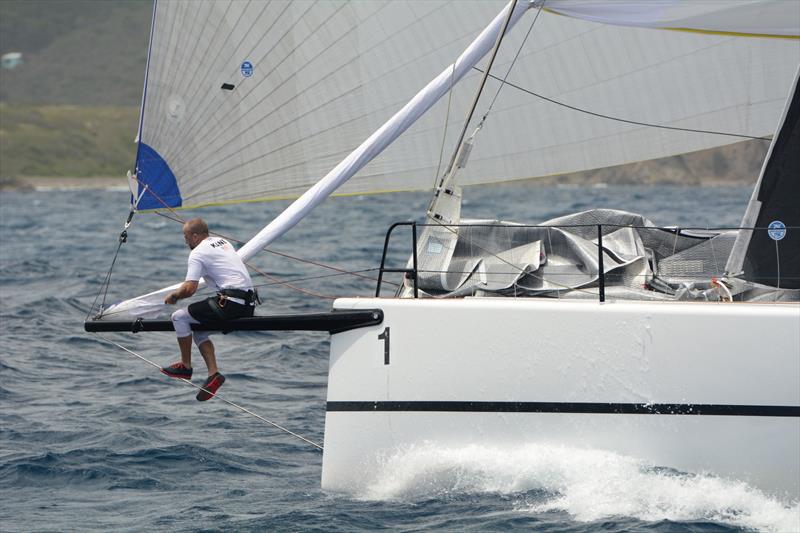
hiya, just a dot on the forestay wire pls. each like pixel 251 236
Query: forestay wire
pixel 123 238
pixel 503 82
pixel 232 404
pixel 357 273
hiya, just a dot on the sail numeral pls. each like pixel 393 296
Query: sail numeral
pixel 385 338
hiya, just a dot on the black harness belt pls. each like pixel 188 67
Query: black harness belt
pixel 249 297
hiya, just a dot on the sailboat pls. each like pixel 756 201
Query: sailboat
pixel 595 330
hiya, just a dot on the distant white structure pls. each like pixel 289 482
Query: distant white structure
pixel 10 60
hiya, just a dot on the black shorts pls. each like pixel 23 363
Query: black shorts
pixel 209 310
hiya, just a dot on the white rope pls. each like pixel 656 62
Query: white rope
pixel 278 426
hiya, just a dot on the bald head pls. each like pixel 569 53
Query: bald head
pixel 195 231
pixel 196 225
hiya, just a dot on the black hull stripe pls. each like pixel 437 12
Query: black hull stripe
pixel 571 407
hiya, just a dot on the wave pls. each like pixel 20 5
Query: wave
pixel 108 468
pixel 589 485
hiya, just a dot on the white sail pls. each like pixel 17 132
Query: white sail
pixel 220 131
pixel 311 81
pixel 771 18
pixel 150 304
pixel 305 84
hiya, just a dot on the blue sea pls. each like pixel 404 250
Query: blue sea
pixel 92 438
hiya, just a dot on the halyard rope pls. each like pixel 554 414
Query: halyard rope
pixel 237 406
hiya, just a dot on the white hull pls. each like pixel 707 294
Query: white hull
pixel 740 363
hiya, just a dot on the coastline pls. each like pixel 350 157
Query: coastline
pixel 57 183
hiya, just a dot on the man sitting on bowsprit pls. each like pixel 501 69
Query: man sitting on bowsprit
pixel 215 260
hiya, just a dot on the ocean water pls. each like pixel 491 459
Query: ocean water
pixel 92 438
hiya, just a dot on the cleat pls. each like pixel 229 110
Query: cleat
pixel 210 387
pixel 177 370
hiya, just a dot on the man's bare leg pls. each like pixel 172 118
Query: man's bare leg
pixel 185 344
pixel 207 351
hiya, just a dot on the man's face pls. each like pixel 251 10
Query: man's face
pixel 191 239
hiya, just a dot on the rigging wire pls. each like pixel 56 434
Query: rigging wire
pixel 618 119
pixel 446 121
pixel 321 276
pixel 237 406
pixel 123 238
pixel 356 273
pixel 107 281
pixel 288 256
pixel 176 217
pixel 513 61
pixel 503 81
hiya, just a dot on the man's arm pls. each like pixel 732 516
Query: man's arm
pixel 186 290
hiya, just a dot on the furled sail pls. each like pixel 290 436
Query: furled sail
pixel 250 101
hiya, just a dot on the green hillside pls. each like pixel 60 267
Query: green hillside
pixel 69 141
pixel 71 108
pixel 83 52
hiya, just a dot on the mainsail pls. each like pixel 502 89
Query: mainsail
pixel 252 101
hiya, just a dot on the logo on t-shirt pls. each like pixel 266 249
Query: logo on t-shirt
pixel 217 244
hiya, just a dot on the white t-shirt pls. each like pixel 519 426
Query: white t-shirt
pixel 216 260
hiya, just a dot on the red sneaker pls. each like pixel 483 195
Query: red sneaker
pixel 210 387
pixel 177 370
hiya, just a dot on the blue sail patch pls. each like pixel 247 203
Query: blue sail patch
pixel 162 187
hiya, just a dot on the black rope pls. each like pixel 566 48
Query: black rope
pixel 618 119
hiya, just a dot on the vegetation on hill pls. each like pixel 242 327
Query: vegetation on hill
pixel 85 52
pixel 69 141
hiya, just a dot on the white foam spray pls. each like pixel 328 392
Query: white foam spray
pixel 590 485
